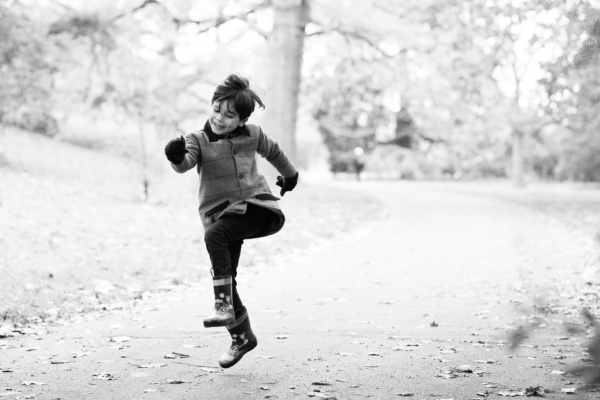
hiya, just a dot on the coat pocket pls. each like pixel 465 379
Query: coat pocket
pixel 266 196
pixel 217 208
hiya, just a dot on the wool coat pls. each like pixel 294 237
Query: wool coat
pixel 229 178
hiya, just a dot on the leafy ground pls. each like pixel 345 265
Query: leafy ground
pixel 76 235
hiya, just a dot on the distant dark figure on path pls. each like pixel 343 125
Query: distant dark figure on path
pixel 235 200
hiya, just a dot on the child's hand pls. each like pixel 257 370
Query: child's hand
pixel 287 184
pixel 175 150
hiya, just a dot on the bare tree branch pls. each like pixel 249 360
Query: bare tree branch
pixel 357 36
pixel 203 25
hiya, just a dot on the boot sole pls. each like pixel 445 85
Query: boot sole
pixel 236 360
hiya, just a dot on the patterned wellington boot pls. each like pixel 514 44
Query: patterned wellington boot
pixel 222 314
pixel 243 340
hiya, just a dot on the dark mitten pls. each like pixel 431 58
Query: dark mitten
pixel 287 184
pixel 175 150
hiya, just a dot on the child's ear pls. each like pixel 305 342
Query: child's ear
pixel 243 122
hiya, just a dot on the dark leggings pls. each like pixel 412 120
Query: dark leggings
pixel 224 241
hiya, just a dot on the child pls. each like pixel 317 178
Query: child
pixel 235 200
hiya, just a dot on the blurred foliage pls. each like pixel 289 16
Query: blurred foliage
pixel 446 83
pixel 26 68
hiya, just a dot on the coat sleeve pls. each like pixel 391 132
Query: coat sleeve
pixel 192 158
pixel 270 150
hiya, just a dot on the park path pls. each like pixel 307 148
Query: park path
pixel 419 302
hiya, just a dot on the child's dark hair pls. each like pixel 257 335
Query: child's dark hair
pixel 237 89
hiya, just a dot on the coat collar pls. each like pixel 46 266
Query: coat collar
pixel 213 137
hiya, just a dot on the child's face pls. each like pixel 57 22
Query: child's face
pixel 223 118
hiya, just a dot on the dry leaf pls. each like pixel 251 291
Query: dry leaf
pixel 120 339
pixel 148 365
pixel 31 383
pixel 173 355
pixel 104 376
pixel 512 393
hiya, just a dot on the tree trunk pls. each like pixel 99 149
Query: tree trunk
pixel 286 47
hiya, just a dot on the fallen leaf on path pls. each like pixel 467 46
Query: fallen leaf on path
pixel 433 324
pixel 148 365
pixel 104 376
pixel 375 354
pixel 447 376
pixel 120 339
pixel 281 337
pixel 402 348
pixel 406 394
pixel 326 396
pixel 31 383
pixel 175 381
pixel 173 355
pixel 536 391
pixel 568 391
pixel 265 388
pixel 321 383
pixel 464 368
pixel 60 361
pixel 512 393
pixel 448 350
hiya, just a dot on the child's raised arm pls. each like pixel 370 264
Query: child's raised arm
pixel 183 153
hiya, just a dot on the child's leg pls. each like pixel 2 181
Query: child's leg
pixel 231 229
pixel 235 250
pixel 223 241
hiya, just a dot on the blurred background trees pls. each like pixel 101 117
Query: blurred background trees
pixel 461 89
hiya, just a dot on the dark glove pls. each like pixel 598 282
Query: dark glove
pixel 287 184
pixel 175 150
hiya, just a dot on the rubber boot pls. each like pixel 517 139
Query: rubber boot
pixel 222 314
pixel 243 340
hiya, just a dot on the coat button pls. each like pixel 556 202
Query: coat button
pixel 234 152
pixel 241 176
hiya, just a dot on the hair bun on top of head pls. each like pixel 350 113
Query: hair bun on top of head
pixel 237 82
